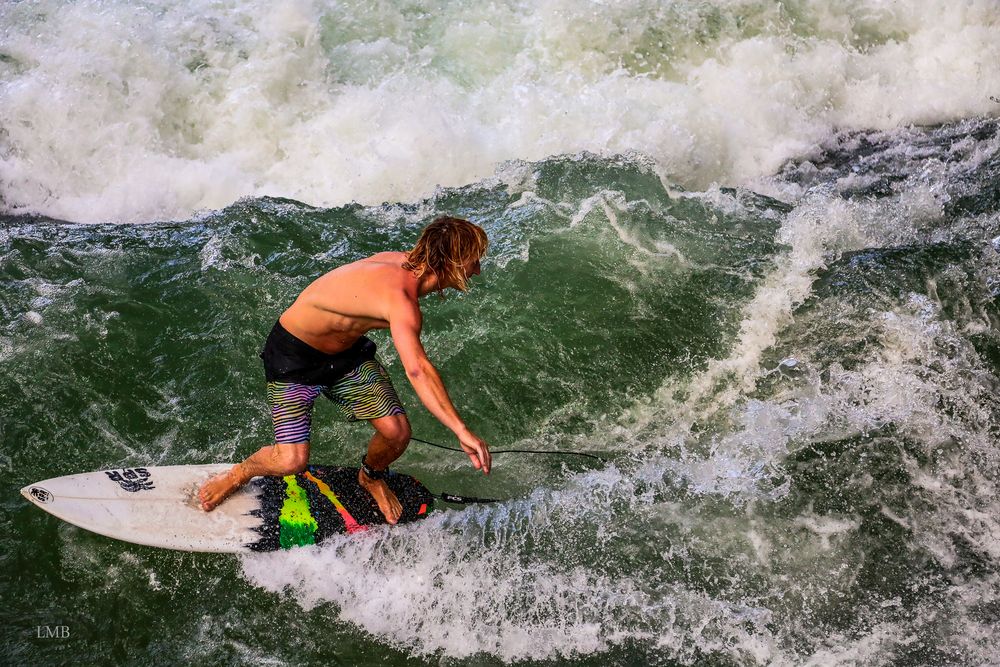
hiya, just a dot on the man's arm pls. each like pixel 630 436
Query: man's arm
pixel 405 321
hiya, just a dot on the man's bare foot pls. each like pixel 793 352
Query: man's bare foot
pixel 387 501
pixel 217 489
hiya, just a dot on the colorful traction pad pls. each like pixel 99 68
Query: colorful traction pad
pixel 327 500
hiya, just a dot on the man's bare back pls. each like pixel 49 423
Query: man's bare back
pixel 340 306
pixel 331 315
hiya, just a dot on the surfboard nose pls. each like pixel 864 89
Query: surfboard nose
pixel 37 494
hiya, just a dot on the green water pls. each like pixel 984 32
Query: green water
pixel 797 401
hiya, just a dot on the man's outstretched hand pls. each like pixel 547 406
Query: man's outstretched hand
pixel 478 451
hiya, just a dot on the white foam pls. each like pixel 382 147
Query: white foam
pixel 466 584
pixel 120 111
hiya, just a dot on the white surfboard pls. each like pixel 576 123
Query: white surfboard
pixel 157 506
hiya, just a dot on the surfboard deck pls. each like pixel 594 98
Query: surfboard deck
pixel 157 506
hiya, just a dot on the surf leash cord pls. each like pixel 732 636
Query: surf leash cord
pixel 469 500
pixel 516 451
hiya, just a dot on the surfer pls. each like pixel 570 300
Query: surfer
pixel 318 346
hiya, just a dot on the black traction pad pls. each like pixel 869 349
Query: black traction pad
pixel 326 500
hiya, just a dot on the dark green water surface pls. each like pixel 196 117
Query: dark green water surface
pixel 797 399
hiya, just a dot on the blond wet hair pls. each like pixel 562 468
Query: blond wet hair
pixel 444 248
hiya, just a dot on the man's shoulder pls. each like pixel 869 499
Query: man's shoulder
pixel 392 282
pixel 385 264
pixel 387 257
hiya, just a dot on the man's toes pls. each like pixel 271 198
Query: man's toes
pixel 392 510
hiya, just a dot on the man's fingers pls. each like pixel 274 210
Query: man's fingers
pixel 479 454
pixel 484 456
pixel 480 460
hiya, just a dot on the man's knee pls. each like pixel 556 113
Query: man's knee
pixel 290 459
pixel 396 431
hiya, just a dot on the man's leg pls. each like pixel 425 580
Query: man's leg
pixel 392 434
pixel 291 414
pixel 277 459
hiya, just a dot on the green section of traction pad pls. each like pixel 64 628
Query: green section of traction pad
pixel 297 526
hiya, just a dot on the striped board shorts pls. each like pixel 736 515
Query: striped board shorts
pixel 362 394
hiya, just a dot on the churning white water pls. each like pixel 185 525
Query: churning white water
pixel 139 111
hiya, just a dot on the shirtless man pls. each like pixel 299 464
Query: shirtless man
pixel 318 346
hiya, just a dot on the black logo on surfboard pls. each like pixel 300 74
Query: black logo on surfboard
pixel 40 494
pixel 131 479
